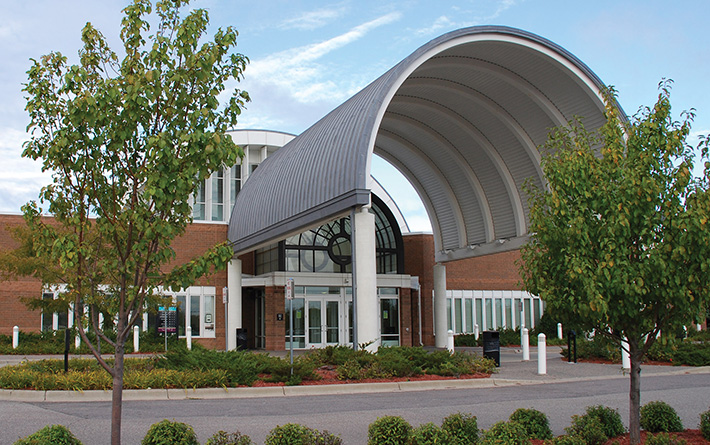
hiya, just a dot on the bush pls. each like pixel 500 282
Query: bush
pixel 389 430
pixel 597 425
pixel 290 434
pixel 505 433
pixel 326 438
pixel 568 440
pixel 599 346
pixel 225 438
pixel 587 430
pixel 428 434
pixel 462 428
pixel 660 417
pixel 534 422
pixel 705 424
pixel 50 435
pixel 664 439
pixel 168 432
pixel 692 354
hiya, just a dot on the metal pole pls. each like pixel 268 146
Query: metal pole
pixel 290 330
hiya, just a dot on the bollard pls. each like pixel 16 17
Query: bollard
pixel 188 337
pixel 698 327
pixel 136 339
pixel 559 331
pixel 541 354
pixel 571 346
pixel 77 342
pixel 450 341
pixel 526 345
pixel 476 331
pixel 625 357
pixel 15 337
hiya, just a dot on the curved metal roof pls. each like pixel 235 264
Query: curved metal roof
pixel 461 118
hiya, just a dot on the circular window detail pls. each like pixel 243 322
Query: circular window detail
pixel 340 248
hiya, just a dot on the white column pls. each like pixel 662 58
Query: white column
pixel 234 306
pixel 541 354
pixel 440 324
pixel 368 312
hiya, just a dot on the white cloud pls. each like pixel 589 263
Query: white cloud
pixel 440 23
pixel 311 20
pixel 22 178
pixel 297 72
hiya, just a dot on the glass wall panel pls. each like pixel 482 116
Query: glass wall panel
pixel 458 310
pixel 181 302
pixel 299 324
pixel 499 313
pixel 509 313
pixel 469 315
pixel 489 314
pixel 389 317
pixel 195 315
pixel 479 313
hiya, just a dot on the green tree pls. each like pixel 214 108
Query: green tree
pixel 619 237
pixel 127 140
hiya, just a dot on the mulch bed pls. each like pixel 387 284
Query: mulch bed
pixel 692 437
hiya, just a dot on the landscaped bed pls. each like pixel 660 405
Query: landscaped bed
pixel 203 368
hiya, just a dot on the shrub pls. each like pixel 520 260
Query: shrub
pixel 50 434
pixel 505 433
pixel 326 438
pixel 599 346
pixel 705 424
pixel 587 430
pixel 168 432
pixel 608 418
pixel 534 422
pixel 692 354
pixel 657 417
pixel 225 438
pixel 389 430
pixel 664 439
pixel 568 440
pixel 428 434
pixel 462 428
pixel 289 434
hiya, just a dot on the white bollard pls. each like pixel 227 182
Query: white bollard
pixel 450 340
pixel 699 327
pixel 15 337
pixel 526 345
pixel 77 342
pixel 625 357
pixel 476 331
pixel 559 331
pixel 188 337
pixel 136 339
pixel 541 354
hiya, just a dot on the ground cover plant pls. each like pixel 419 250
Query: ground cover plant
pixel 202 367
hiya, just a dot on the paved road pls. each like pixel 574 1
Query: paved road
pixel 564 391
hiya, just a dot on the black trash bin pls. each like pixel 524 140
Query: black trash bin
pixel 491 346
pixel 241 338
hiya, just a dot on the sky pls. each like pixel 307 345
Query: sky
pixel 308 57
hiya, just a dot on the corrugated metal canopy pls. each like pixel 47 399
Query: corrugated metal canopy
pixel 461 118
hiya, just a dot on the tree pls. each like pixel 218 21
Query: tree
pixel 619 237
pixel 127 141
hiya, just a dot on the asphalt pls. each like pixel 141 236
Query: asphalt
pixel 512 371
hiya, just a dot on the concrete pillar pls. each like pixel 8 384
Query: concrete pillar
pixel 440 323
pixel 526 345
pixel 15 337
pixel 541 354
pixel 136 339
pixel 365 278
pixel 234 305
pixel 450 340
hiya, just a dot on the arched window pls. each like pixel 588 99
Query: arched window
pixel 328 248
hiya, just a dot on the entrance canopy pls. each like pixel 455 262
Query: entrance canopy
pixel 461 118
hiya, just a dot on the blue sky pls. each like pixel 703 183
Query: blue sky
pixel 307 57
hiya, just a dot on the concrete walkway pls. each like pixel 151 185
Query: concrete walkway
pixel 513 371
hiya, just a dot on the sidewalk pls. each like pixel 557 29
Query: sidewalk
pixel 513 371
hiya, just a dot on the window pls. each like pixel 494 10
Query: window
pixel 198 208
pixel 235 185
pixel 52 321
pixel 491 310
pixel 195 308
pixel 218 196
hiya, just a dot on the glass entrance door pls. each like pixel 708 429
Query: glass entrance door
pixel 323 322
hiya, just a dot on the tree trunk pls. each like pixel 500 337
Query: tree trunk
pixel 117 398
pixel 635 396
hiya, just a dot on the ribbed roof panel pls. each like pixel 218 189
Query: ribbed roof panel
pixel 462 116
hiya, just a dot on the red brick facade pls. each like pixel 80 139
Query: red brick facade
pixel 493 272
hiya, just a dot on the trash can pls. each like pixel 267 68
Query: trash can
pixel 491 346
pixel 241 338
